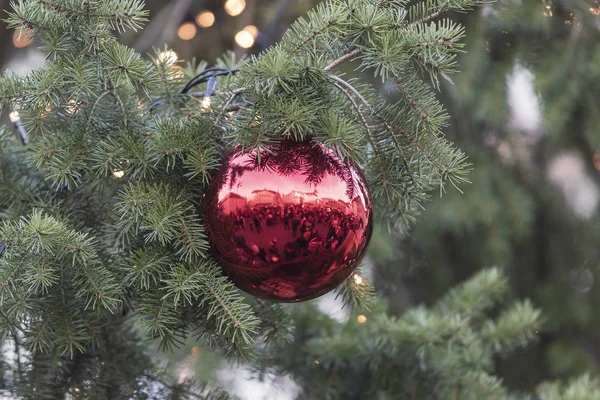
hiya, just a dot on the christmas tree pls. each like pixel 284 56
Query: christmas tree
pixel 104 244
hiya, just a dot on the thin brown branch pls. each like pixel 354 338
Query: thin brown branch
pixel 387 125
pixel 345 92
pixel 443 10
pixel 232 96
pixel 342 59
pixel 348 86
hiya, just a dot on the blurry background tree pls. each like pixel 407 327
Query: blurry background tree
pixel 525 108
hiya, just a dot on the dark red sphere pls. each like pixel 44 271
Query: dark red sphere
pixel 291 224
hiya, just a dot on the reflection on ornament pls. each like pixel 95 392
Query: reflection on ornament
pixel 291 226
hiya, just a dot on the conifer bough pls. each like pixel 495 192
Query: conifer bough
pixel 132 243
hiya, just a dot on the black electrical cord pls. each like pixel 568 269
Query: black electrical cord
pixel 208 75
pixel 210 72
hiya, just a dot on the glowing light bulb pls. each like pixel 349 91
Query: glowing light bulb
pixel 22 39
pixel 235 7
pixel 187 31
pixel 317 362
pixel 167 56
pixel 72 107
pixel 119 173
pixel 14 116
pixel 205 103
pixel 178 72
pixel 357 279
pixel 253 30
pixel 361 319
pixel 205 19
pixel 244 39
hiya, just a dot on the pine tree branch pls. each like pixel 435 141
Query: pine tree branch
pixel 234 93
pixel 346 57
pixel 351 88
pixel 344 90
pixel 61 8
pixel 11 322
pixel 172 388
pixel 344 87
pixel 94 106
pixel 443 10
pixel 388 127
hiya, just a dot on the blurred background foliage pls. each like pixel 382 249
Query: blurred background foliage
pixel 525 107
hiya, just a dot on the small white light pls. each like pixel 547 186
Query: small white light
pixel 357 279
pixel 119 173
pixel 205 103
pixel 178 72
pixel 167 56
pixel 14 116
pixel 71 107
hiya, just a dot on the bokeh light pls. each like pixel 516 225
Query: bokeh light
pixel 22 39
pixel 205 19
pixel 187 31
pixel 244 39
pixel 361 319
pixel 205 103
pixel 235 7
pixel 14 116
pixel 167 56
pixel 253 30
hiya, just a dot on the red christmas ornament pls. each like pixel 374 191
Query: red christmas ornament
pixel 291 224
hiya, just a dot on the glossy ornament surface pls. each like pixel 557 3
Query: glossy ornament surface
pixel 288 224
